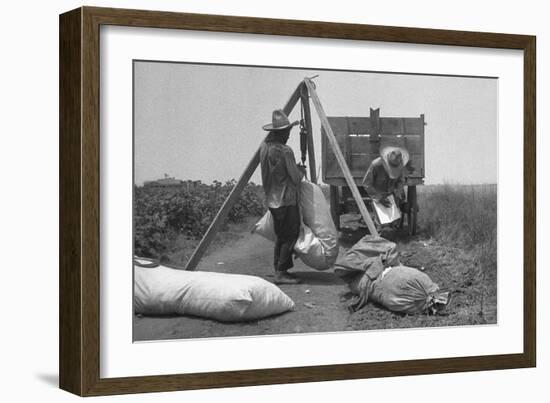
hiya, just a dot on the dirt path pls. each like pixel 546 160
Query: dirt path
pixel 321 299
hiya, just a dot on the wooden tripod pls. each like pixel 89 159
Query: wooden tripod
pixel 304 91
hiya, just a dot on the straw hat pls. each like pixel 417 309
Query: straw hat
pixel 394 159
pixel 279 121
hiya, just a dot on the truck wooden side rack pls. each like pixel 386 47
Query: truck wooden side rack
pixel 360 139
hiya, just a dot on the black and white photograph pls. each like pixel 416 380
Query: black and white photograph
pixel 273 200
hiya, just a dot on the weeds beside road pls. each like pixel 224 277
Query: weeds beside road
pixel 465 217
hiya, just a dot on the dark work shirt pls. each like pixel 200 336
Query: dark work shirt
pixel 377 181
pixel 280 175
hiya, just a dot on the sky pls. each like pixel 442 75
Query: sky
pixel 203 122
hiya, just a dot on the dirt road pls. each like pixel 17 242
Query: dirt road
pixel 321 299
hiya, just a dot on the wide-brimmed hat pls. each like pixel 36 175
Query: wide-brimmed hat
pixel 394 159
pixel 279 121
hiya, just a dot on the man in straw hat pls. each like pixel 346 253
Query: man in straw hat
pixel 385 175
pixel 281 179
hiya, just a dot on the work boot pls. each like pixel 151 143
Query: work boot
pixel 283 277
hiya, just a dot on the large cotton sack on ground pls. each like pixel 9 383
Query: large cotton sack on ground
pixel 407 290
pixel 225 297
pixel 363 263
pixel 317 244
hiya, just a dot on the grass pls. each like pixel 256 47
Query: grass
pixel 465 216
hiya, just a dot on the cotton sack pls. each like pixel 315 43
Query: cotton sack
pixel 317 244
pixel 220 296
pixel 407 290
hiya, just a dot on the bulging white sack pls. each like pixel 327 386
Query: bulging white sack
pixel 220 296
pixel 317 244
pixel 266 228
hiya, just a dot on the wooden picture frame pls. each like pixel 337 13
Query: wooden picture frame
pixel 79 281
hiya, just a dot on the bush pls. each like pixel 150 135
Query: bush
pixel 161 215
